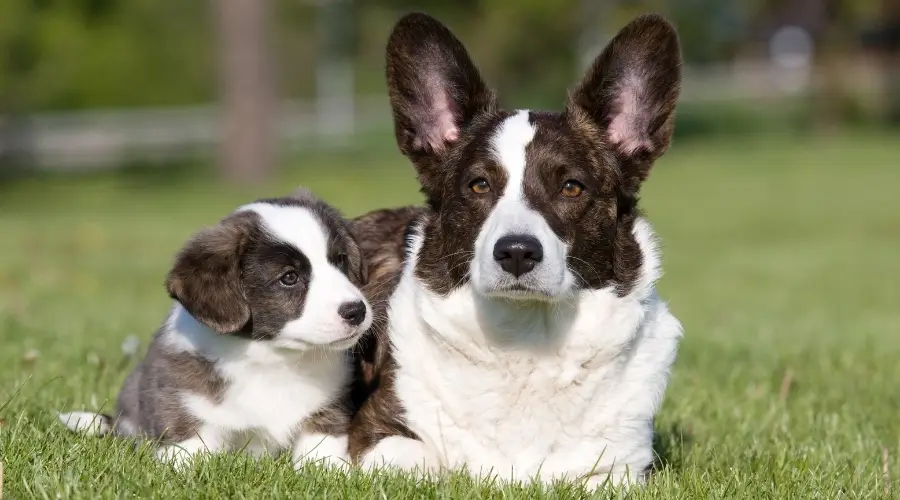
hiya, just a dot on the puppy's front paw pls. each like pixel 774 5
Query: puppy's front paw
pixel 180 455
pixel 323 449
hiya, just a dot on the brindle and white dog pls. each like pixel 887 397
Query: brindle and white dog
pixel 524 335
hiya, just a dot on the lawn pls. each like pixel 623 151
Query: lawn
pixel 782 259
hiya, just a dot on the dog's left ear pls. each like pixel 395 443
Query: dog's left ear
pixel 206 275
pixel 629 94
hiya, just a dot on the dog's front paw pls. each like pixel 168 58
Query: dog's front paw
pixel 323 449
pixel 180 455
pixel 400 452
pixel 624 481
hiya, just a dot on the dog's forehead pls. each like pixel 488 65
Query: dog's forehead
pixel 297 226
pixel 527 139
pixel 508 143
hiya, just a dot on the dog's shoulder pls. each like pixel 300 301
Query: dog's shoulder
pixel 383 237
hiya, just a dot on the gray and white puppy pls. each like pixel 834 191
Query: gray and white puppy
pixel 255 352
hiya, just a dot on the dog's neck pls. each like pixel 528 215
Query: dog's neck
pixel 185 333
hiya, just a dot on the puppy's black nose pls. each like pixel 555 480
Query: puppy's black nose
pixel 353 312
pixel 518 254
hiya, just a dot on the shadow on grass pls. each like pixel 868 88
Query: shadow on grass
pixel 670 445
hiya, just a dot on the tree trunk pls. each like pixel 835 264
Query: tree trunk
pixel 829 59
pixel 249 132
pixel 891 59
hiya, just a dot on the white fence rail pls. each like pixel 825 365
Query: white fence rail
pixel 104 139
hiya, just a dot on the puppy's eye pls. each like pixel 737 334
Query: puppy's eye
pixel 480 186
pixel 289 279
pixel 572 189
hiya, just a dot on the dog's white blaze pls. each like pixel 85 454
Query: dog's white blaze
pixel 294 225
pixel 513 136
pixel 319 323
pixel 512 216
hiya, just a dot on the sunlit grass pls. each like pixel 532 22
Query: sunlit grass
pixel 782 257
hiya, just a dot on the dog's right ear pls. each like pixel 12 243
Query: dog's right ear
pixel 206 276
pixel 435 91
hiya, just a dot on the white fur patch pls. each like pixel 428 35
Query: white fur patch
pixel 532 390
pixel 88 423
pixel 512 216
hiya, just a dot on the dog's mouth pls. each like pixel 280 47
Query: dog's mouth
pixel 518 291
pixel 344 343
pixel 340 344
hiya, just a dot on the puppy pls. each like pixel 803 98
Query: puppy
pixel 255 352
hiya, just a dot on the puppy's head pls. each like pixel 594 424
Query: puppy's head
pixel 285 271
pixel 531 205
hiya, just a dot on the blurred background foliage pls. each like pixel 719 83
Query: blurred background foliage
pixel 70 55
pixel 76 54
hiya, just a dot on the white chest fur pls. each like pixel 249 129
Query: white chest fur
pixel 546 391
pixel 268 392
pixel 264 405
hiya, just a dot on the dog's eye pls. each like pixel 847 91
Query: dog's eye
pixel 572 189
pixel 480 186
pixel 289 279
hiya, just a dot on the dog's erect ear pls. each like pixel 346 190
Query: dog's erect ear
pixel 630 92
pixel 206 276
pixel 434 87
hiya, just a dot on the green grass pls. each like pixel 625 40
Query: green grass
pixel 782 256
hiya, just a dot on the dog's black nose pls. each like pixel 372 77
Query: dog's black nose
pixel 353 312
pixel 518 254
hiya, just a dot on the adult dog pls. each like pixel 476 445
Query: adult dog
pixel 523 337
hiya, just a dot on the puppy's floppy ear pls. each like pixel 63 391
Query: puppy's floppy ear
pixel 435 91
pixel 630 92
pixel 206 276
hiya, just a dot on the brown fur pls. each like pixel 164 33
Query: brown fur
pixel 382 238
